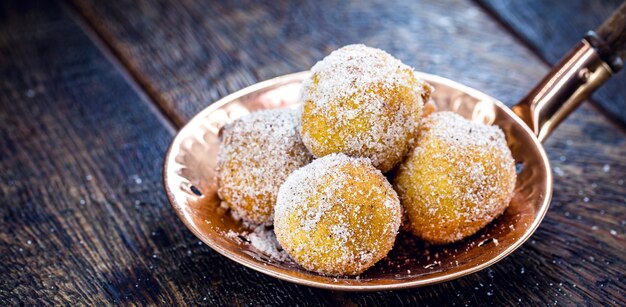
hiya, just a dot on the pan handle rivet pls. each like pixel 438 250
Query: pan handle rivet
pixel 584 74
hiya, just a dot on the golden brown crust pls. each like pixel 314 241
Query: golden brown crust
pixel 257 153
pixel 460 177
pixel 337 215
pixel 362 102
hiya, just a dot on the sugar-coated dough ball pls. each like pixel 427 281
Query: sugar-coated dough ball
pixel 337 215
pixel 257 153
pixel 363 102
pixel 458 179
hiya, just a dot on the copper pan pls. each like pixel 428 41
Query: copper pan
pixel 190 182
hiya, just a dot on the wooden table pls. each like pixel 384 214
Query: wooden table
pixel 92 92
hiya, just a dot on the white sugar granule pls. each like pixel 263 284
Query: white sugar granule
pixel 263 239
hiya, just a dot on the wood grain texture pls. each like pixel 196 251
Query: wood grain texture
pixel 73 130
pixel 553 27
pixel 191 53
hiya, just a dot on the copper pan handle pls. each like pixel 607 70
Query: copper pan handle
pixel 598 56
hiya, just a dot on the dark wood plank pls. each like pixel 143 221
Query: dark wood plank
pixel 84 217
pixel 189 53
pixel 552 27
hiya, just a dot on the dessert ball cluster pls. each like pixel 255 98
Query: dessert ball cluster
pixel 363 115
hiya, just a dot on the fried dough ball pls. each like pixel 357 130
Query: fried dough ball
pixel 337 216
pixel 363 102
pixel 257 153
pixel 458 178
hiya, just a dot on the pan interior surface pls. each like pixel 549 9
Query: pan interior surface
pixel 191 185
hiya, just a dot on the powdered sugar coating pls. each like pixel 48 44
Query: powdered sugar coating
pixel 459 177
pixel 457 131
pixel 337 215
pixel 361 101
pixel 257 153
